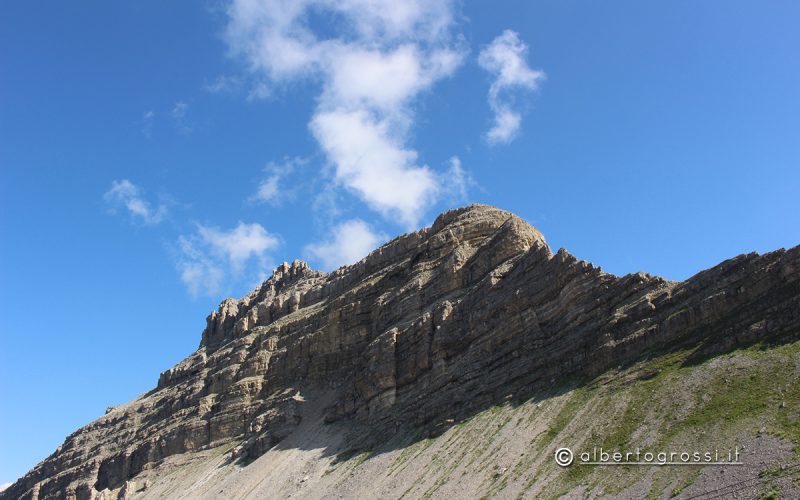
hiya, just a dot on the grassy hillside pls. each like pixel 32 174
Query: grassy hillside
pixel 747 399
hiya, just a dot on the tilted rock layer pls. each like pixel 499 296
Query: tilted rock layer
pixel 427 330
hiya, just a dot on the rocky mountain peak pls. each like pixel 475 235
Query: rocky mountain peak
pixel 279 295
pixel 286 274
pixel 427 330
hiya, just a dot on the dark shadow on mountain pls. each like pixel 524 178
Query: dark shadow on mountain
pixel 348 438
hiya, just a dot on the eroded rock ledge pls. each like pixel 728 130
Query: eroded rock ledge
pixel 428 329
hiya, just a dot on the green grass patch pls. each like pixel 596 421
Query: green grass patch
pixel 688 480
pixel 361 458
pixel 576 400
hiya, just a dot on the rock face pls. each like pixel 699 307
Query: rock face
pixel 427 330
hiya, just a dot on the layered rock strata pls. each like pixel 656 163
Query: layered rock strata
pixel 427 330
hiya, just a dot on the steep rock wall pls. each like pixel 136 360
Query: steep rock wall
pixel 428 329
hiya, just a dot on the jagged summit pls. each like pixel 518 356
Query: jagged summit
pixel 459 230
pixel 286 273
pixel 428 330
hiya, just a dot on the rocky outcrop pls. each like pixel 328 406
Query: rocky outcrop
pixel 427 330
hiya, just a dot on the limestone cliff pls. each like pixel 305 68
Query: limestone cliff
pixel 428 331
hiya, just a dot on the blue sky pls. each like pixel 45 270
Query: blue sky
pixel 157 157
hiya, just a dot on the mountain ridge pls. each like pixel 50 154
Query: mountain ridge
pixel 429 330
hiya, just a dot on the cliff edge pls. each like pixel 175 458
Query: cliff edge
pixel 428 332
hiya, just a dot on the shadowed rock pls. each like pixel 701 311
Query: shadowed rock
pixel 427 330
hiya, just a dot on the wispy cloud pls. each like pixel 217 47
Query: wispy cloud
pixel 268 189
pixel 124 194
pixel 371 71
pixel 373 163
pixel 274 188
pixel 223 84
pixel 178 113
pixel 457 181
pixel 504 58
pixel 348 242
pixel 211 259
pixel 148 117
pixel 202 274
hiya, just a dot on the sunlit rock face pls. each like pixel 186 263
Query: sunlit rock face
pixel 427 330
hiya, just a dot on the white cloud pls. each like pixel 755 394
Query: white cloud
pixel 4 486
pixel 389 20
pixel 349 242
pixel 457 181
pixel 223 84
pixel 506 125
pixel 268 189
pixel 370 161
pixel 179 110
pixel 179 116
pixel 379 58
pixel 123 193
pixel 212 259
pixel 362 78
pixel 238 244
pixel 504 58
pixel 326 205
pixel 273 188
pixel 201 274
pixel 148 117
